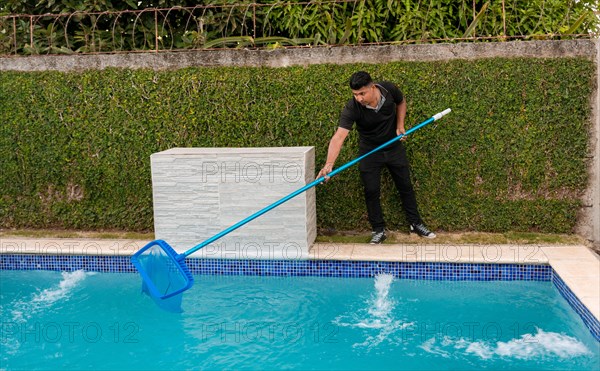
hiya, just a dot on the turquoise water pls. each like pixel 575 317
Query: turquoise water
pixel 79 320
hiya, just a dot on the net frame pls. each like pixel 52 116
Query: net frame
pixel 162 266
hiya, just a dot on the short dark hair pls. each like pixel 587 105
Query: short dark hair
pixel 360 79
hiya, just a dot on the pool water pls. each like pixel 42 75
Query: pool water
pixel 82 320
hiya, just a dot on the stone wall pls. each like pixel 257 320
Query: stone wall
pixel 200 192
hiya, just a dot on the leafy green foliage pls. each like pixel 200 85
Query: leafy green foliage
pixel 69 26
pixel 75 147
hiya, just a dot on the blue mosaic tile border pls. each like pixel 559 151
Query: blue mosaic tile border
pixel 322 268
pixel 334 268
pixel 68 263
pixel 591 322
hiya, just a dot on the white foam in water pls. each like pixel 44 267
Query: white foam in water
pixel 23 309
pixel 542 344
pixel 65 286
pixel 528 347
pixel 480 349
pixel 377 316
pixel 382 305
pixel 430 347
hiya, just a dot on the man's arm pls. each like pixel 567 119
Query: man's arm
pixel 400 115
pixel 335 146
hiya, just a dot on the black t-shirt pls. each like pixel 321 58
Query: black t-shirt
pixel 374 128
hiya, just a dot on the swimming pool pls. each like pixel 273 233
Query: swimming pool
pixel 352 316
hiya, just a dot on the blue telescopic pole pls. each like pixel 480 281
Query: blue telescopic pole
pixel 309 186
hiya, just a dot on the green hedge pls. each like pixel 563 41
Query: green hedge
pixel 75 147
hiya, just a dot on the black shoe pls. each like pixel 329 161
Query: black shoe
pixel 377 237
pixel 421 230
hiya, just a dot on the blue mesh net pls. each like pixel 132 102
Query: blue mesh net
pixel 165 278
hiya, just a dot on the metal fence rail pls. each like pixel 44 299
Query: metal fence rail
pixel 252 25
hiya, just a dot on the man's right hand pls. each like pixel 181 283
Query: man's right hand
pixel 328 168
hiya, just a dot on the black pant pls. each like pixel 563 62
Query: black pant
pixel 370 173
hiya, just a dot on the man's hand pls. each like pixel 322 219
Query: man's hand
pixel 328 168
pixel 401 131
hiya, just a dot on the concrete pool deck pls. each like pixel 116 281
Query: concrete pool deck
pixel 577 265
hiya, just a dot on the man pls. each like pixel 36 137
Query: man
pixel 378 111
